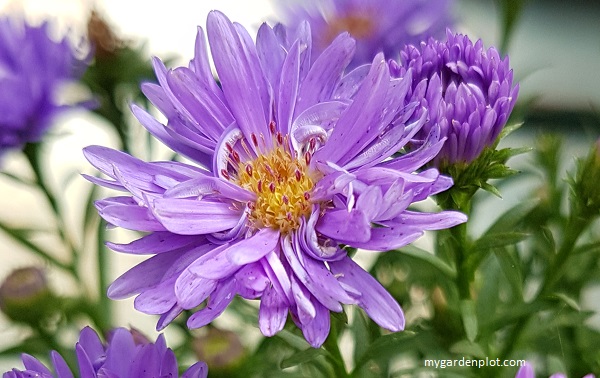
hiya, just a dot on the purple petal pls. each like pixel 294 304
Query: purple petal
pixel 431 221
pixel 168 317
pixel 210 114
pixel 317 329
pixel 214 265
pixel 318 280
pixel 60 366
pixel 86 368
pixel 305 309
pixel 120 353
pixel 197 370
pixel 359 121
pixel 191 290
pixel 253 280
pixel 155 243
pixel 91 344
pixel 272 313
pixel 218 301
pixel 526 371
pixel 374 299
pixel 271 55
pixel 345 227
pixel 325 73
pixel 277 275
pixel 130 216
pixel 146 274
pixel 207 185
pixel 241 77
pixel 32 363
pixel 288 89
pixel 392 237
pixel 158 299
pixel 253 249
pixel 168 365
pixel 160 132
pixel 194 217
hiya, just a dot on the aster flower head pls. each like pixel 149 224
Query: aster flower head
pixel 376 25
pixel 527 371
pixel 120 357
pixel 467 90
pixel 32 66
pixel 293 158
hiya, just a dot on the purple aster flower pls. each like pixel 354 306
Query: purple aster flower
pixel 467 90
pixel 32 66
pixel 526 371
pixel 294 160
pixel 376 25
pixel 121 357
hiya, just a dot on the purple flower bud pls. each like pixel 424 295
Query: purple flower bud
pixel 467 90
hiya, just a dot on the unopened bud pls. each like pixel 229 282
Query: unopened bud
pixel 220 349
pixel 25 295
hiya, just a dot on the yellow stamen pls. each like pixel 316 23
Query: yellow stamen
pixel 282 186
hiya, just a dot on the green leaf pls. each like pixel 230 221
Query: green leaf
pixel 342 317
pixel 304 356
pixel 18 179
pixel 511 218
pixel 511 269
pixel 293 340
pixel 491 189
pixel 388 346
pixel 360 331
pixel 588 248
pixel 430 258
pixel 468 348
pixel 36 250
pixel 497 240
pixel 568 301
pixel 469 318
pixel 508 129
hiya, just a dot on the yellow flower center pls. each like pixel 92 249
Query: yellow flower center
pixel 359 26
pixel 282 186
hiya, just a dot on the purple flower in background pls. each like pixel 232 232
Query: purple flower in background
pixel 376 25
pixel 467 90
pixel 526 371
pixel 294 160
pixel 32 66
pixel 123 357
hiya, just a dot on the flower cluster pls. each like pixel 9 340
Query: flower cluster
pixel 468 91
pixel 32 66
pixel 124 356
pixel 295 159
pixel 377 26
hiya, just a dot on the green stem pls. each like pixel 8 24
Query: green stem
pixel 332 346
pixel 459 237
pixel 49 339
pixel 463 276
pixel 103 276
pixel 32 153
pixel 35 249
pixel 575 227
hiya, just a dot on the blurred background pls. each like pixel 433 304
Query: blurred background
pixel 554 50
